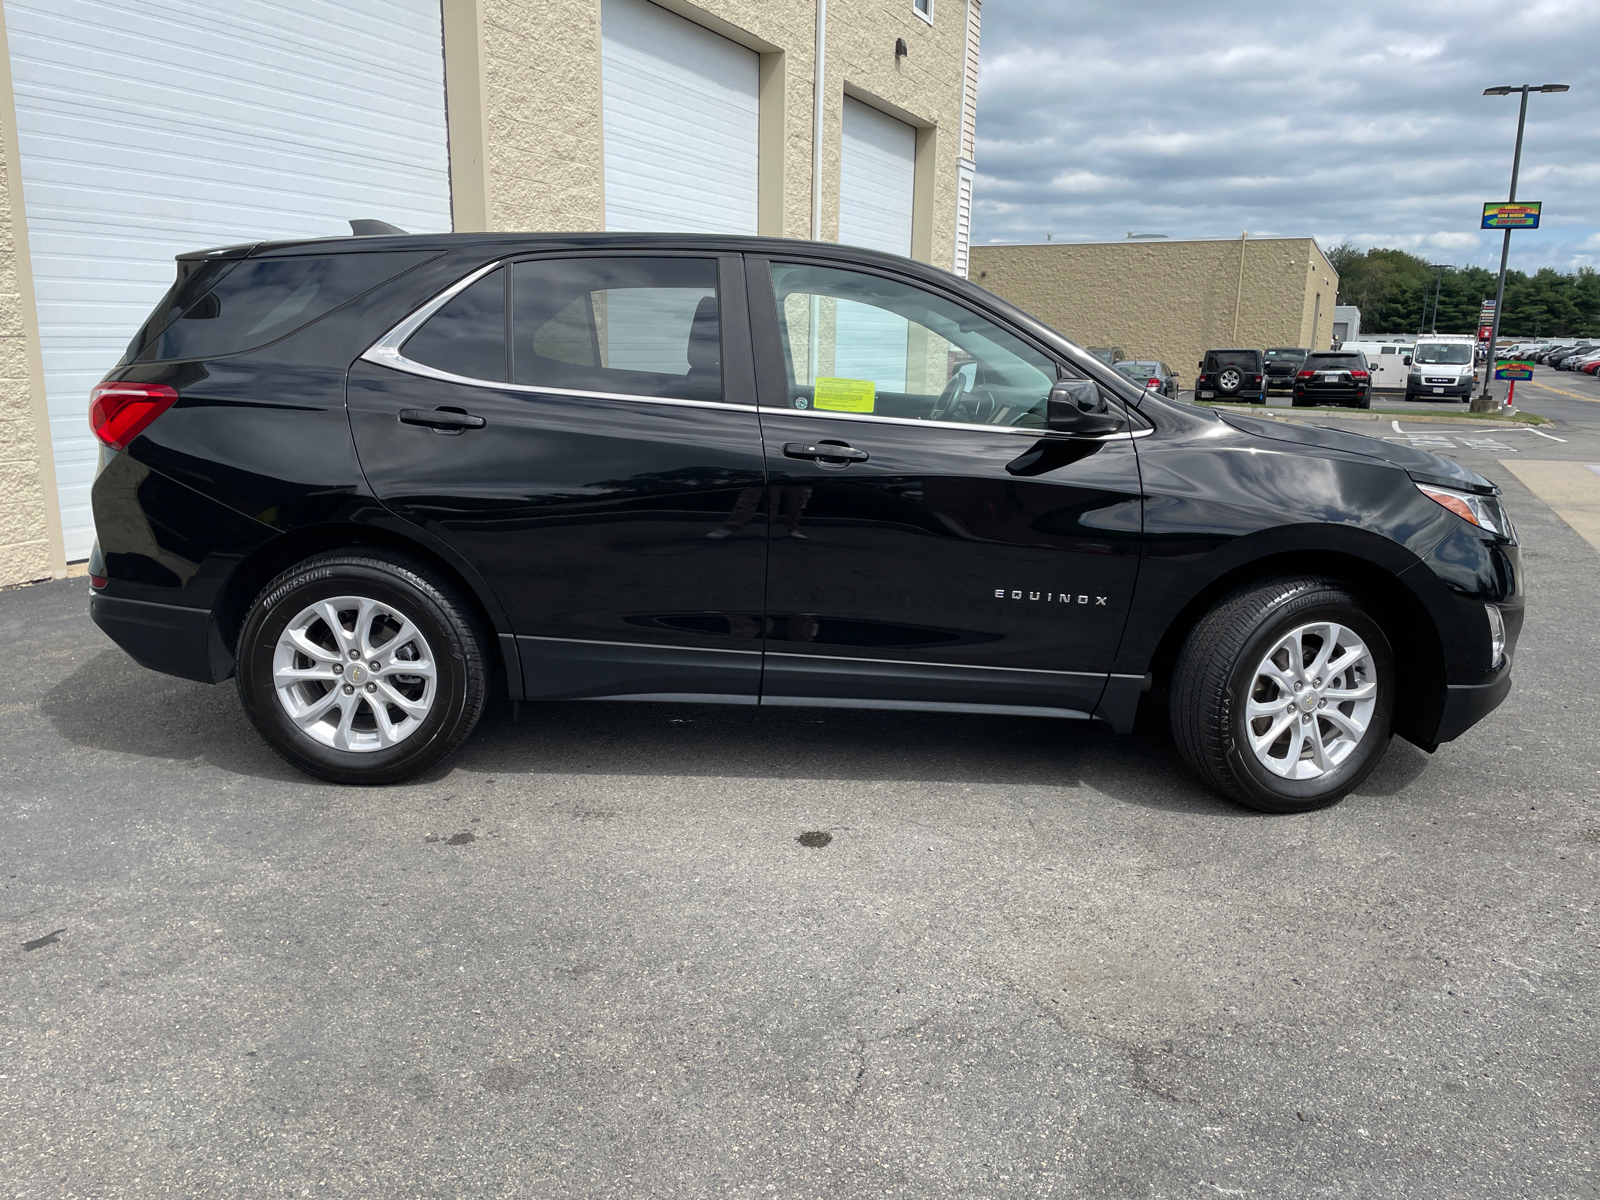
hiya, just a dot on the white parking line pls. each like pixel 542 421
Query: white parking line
pixel 1551 436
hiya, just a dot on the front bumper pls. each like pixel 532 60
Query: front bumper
pixel 1453 390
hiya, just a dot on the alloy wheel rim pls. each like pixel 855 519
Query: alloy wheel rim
pixel 355 674
pixel 1311 701
pixel 1229 380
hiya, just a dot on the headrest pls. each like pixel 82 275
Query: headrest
pixel 705 347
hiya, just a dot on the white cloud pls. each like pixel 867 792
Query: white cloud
pixel 1198 120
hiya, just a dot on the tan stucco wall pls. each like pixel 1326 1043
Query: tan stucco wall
pixel 30 529
pixel 541 103
pixel 1168 300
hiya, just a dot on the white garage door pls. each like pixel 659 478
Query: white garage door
pixel 877 172
pixel 681 113
pixel 150 127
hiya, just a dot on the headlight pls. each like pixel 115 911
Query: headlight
pixel 1497 636
pixel 1486 512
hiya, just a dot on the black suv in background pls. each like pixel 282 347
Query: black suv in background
pixel 375 477
pixel 1232 375
pixel 1342 377
pixel 1282 365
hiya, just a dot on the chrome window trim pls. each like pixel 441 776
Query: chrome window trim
pixel 385 352
pixel 1125 435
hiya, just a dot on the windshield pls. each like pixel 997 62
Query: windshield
pixel 1454 354
pixel 1335 362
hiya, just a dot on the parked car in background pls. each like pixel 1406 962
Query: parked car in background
pixel 1340 377
pixel 1151 375
pixel 1441 368
pixel 1110 355
pixel 1588 363
pixel 1282 363
pixel 375 477
pixel 1564 362
pixel 1232 375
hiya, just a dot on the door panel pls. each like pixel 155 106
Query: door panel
pixel 1001 589
pixel 953 551
pixel 589 512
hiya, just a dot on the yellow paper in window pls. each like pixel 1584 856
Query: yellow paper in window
pixel 846 395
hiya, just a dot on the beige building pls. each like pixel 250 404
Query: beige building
pixel 1170 300
pixel 288 120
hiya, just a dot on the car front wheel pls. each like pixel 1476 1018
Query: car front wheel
pixel 1283 695
pixel 362 667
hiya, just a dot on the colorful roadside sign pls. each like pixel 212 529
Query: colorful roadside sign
pixel 1524 214
pixel 1514 370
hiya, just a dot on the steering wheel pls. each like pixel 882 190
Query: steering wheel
pixel 977 407
pixel 947 396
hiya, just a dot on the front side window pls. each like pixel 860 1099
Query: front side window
pixel 864 344
pixel 630 326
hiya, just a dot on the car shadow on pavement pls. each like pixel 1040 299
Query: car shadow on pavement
pixel 111 703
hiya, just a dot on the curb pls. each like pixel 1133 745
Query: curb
pixel 1473 421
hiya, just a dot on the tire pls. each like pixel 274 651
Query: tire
pixel 285 634
pixel 1365 402
pixel 1236 378
pixel 1216 680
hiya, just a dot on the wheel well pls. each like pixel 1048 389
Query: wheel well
pixel 268 561
pixel 1419 655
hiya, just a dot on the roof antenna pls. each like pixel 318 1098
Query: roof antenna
pixel 367 227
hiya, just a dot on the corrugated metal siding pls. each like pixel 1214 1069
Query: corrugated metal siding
pixel 877 175
pixel 963 252
pixel 969 94
pixel 150 127
pixel 682 123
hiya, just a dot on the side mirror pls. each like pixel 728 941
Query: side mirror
pixel 1078 406
pixel 1406 360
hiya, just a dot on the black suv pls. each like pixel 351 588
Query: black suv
pixel 1342 377
pixel 374 477
pixel 1282 364
pixel 1232 375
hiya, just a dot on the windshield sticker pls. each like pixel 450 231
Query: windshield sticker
pixel 846 395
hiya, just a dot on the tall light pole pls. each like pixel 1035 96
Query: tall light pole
pixel 1485 402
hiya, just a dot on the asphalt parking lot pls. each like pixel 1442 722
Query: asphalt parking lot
pixel 594 955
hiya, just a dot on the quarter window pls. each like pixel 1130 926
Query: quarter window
pixel 858 343
pixel 468 335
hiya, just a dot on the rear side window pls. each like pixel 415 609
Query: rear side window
pixel 638 326
pixel 261 300
pixel 631 326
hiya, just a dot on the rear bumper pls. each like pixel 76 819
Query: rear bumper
pixel 165 637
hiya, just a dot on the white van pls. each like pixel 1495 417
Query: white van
pixel 1443 367
pixel 1387 361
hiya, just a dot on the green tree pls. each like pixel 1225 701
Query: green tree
pixel 1395 290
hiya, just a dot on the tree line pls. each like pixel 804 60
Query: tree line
pixel 1395 292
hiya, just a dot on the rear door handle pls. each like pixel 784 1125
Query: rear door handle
pixel 441 418
pixel 823 450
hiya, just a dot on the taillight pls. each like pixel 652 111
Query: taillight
pixel 1152 383
pixel 1358 374
pixel 97 581
pixel 1258 379
pixel 120 412
pixel 1305 375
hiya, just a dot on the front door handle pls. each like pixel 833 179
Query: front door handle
pixel 441 418
pixel 821 450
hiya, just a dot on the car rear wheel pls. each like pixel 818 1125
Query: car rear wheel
pixel 1283 695
pixel 362 666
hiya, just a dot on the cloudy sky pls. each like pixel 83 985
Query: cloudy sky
pixel 1357 120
